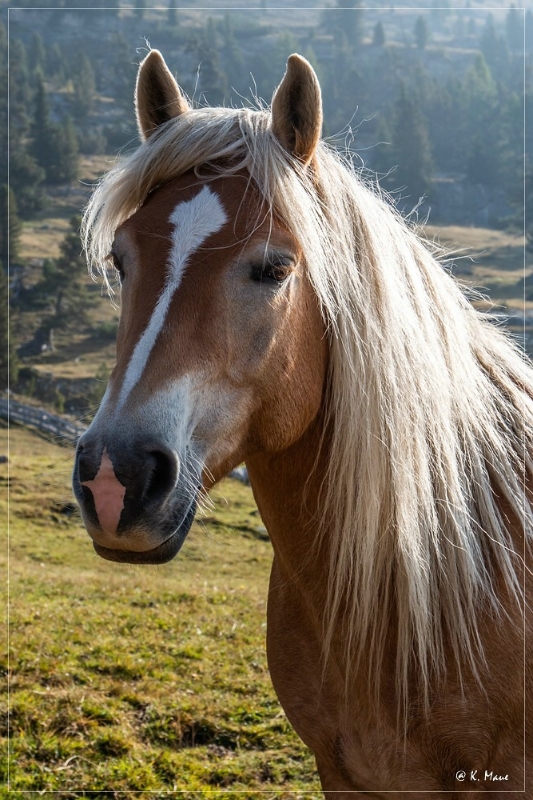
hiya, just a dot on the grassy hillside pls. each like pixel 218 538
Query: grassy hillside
pixel 491 261
pixel 138 678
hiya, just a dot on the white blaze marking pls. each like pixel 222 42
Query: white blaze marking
pixel 194 221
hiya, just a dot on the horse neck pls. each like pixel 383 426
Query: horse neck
pixel 287 488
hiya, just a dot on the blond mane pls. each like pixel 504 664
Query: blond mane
pixel 431 405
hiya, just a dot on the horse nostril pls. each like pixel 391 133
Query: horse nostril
pixel 86 463
pixel 160 475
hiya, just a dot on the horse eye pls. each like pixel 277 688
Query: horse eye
pixel 271 272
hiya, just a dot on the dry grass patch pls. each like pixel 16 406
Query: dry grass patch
pixel 42 238
pixel 489 261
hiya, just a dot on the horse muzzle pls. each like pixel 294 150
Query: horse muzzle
pixel 137 504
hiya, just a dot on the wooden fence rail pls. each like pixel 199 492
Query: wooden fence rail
pixel 41 419
pixel 61 428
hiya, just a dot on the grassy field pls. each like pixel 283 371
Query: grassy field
pixel 138 679
pixel 490 261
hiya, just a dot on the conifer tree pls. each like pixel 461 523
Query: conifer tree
pixel 140 6
pixel 37 52
pixel 64 167
pixel 421 32
pixel 20 90
pixel 528 25
pixel 54 146
pixel 26 177
pixel 3 105
pixel 231 55
pixel 345 21
pixel 411 148
pixel 63 288
pixel 42 132
pixel 378 39
pixel 514 29
pixel 478 99
pixel 55 63
pixel 172 16
pixel 528 210
pixel 212 83
pixel 494 48
pixel 11 227
pixel 381 153
pixel 84 87
pixel 8 357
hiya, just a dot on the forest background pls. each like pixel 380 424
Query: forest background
pixel 431 101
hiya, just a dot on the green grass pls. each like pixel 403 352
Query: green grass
pixel 147 679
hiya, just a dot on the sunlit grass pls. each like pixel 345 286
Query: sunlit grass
pixel 490 261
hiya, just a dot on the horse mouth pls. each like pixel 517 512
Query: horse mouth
pixel 161 554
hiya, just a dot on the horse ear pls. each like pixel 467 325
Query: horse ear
pixel 297 109
pixel 157 95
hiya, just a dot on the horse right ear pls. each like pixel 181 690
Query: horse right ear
pixel 158 97
pixel 297 109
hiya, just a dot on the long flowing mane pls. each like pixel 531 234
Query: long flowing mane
pixel 430 405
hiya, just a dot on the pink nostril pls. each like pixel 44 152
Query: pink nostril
pixel 108 494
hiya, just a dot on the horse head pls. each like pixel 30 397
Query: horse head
pixel 220 346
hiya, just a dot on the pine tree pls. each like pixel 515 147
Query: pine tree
pixel 8 358
pixel 56 67
pixel 37 53
pixel 528 25
pixel 213 82
pixel 478 97
pixel 65 163
pixel 84 88
pixel 378 39
pixel 232 56
pixel 41 131
pixel 54 147
pixel 3 104
pixel 172 16
pixel 381 153
pixel 11 227
pixel 345 21
pixel 285 45
pixel 63 287
pixel 140 6
pixel 514 29
pixel 482 162
pixel 494 48
pixel 26 177
pixel 20 90
pixel 411 148
pixel 122 70
pixel 421 32
pixel 528 210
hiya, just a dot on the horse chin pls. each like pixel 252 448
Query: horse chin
pixel 164 552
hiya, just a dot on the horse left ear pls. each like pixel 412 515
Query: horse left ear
pixel 297 109
pixel 157 95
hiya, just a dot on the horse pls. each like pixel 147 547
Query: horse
pixel 276 310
